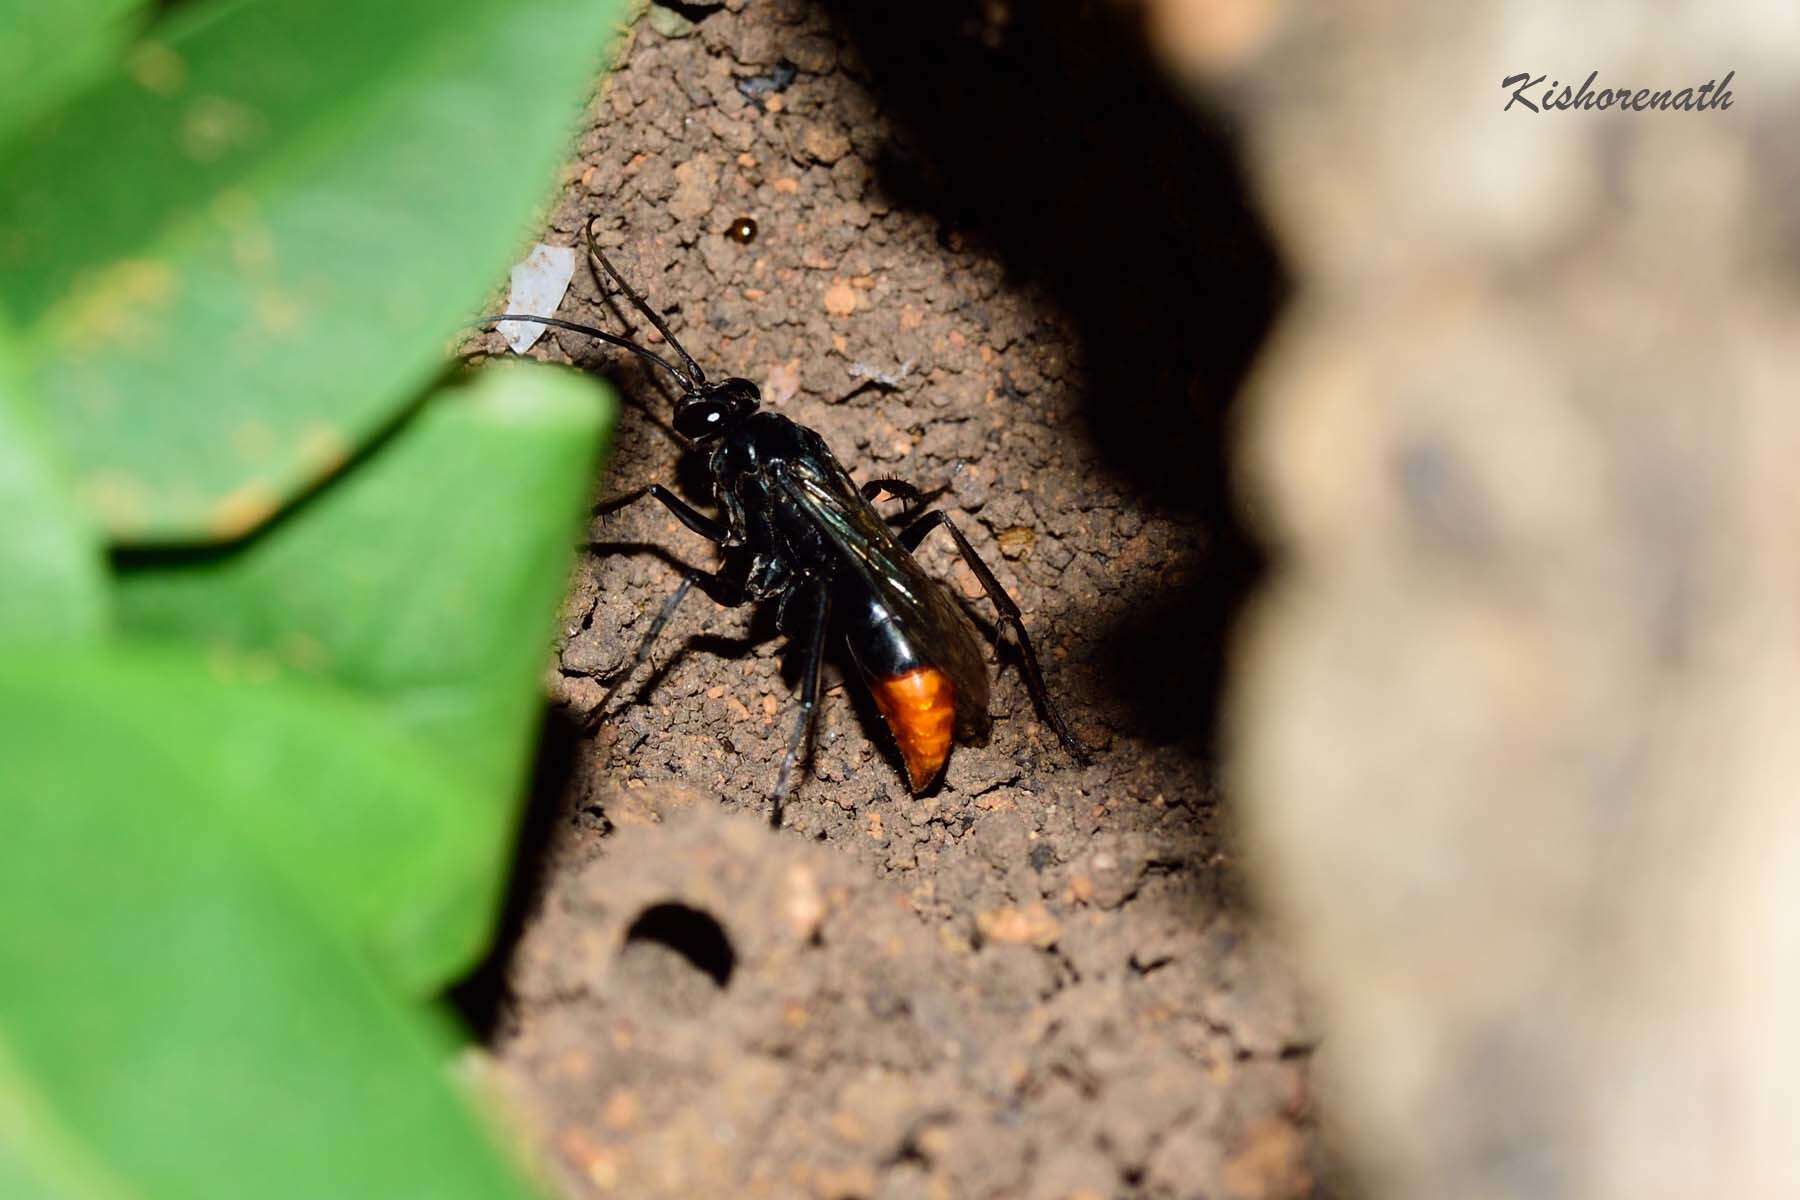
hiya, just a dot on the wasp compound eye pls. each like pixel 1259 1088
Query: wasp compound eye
pixel 742 231
pixel 701 419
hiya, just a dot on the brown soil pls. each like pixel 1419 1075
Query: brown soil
pixel 1039 979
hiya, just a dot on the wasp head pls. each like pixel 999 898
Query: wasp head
pixel 713 408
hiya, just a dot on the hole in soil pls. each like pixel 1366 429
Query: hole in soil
pixel 693 12
pixel 679 955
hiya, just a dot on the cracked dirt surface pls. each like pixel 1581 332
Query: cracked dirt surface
pixel 1037 980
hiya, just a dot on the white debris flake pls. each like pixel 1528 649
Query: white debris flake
pixel 538 285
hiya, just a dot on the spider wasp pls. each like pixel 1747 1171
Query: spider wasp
pixel 796 530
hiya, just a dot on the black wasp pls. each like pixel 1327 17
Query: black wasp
pixel 795 529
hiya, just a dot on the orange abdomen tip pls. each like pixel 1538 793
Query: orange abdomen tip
pixel 920 710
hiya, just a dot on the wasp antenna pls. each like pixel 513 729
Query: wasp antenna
pixel 611 339
pixel 638 301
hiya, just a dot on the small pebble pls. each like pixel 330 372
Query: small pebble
pixel 840 299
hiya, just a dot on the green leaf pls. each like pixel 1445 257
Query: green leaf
pixel 39 1158
pixel 392 850
pixel 175 1007
pixel 236 273
pixel 53 569
pixel 427 579
pixel 50 51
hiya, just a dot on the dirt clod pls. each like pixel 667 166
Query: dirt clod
pixel 824 144
pixel 840 299
pixel 1031 926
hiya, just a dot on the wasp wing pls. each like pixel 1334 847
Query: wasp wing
pixel 943 633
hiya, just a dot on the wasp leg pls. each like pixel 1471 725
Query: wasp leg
pixel 1009 616
pixel 809 698
pixel 916 500
pixel 684 512
pixel 642 655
